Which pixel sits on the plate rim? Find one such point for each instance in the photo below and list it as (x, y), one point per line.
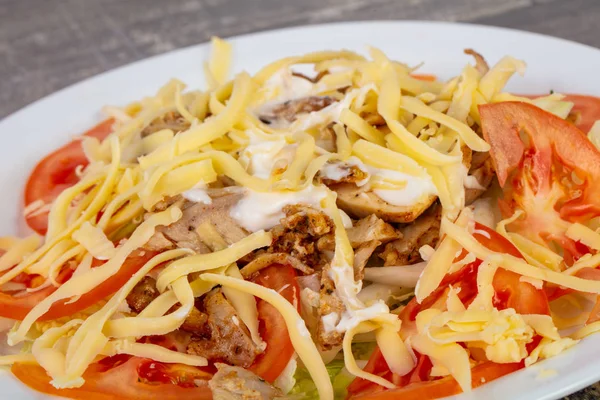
(257, 34)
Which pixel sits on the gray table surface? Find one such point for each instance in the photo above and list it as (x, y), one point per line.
(46, 45)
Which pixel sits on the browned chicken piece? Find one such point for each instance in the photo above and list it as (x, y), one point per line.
(196, 322)
(372, 228)
(235, 383)
(480, 63)
(425, 230)
(329, 303)
(291, 109)
(184, 234)
(225, 337)
(352, 174)
(171, 120)
(299, 233)
(482, 169)
(359, 203)
(264, 260)
(145, 292)
(362, 254)
(142, 294)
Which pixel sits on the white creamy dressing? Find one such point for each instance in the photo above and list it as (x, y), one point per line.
(355, 311)
(329, 321)
(263, 210)
(283, 86)
(415, 188)
(332, 112)
(198, 194)
(286, 381)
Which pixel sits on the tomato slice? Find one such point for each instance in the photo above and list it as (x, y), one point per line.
(588, 108)
(128, 378)
(279, 351)
(443, 387)
(18, 306)
(56, 172)
(510, 292)
(547, 168)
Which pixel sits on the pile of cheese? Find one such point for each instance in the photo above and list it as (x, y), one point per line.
(419, 152)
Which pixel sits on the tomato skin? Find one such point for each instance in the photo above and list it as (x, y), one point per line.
(56, 172)
(443, 387)
(536, 154)
(588, 108)
(119, 382)
(17, 308)
(273, 330)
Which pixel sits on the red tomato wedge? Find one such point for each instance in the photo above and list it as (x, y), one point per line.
(18, 306)
(279, 351)
(130, 379)
(586, 109)
(439, 388)
(56, 172)
(510, 292)
(547, 168)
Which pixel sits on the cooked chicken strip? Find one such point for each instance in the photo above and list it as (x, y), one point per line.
(183, 233)
(235, 383)
(224, 337)
(142, 294)
(360, 203)
(372, 228)
(291, 109)
(424, 230)
(299, 234)
(171, 120)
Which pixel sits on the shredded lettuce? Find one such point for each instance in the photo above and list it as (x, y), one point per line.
(306, 389)
(339, 376)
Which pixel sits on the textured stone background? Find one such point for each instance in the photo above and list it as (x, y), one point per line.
(46, 45)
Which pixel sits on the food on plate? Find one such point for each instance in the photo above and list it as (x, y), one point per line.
(333, 226)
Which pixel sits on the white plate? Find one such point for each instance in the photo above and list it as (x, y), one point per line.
(552, 64)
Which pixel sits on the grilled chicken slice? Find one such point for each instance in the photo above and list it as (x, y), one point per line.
(171, 120)
(362, 254)
(300, 233)
(359, 203)
(331, 307)
(235, 383)
(425, 230)
(184, 234)
(142, 294)
(288, 111)
(372, 228)
(224, 336)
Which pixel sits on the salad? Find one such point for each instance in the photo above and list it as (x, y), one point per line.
(333, 226)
